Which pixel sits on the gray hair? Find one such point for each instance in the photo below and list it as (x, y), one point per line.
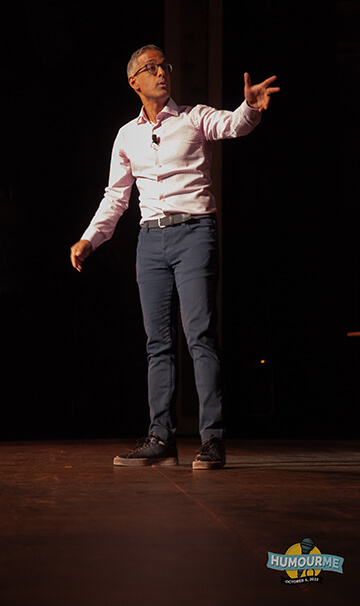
(131, 67)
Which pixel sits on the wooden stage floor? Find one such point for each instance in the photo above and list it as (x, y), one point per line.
(76, 531)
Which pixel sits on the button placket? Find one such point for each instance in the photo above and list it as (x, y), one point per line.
(158, 167)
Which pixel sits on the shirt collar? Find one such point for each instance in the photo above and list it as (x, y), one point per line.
(170, 108)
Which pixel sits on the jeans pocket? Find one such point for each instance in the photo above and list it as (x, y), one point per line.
(209, 224)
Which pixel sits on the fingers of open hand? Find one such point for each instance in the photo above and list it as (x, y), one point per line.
(269, 81)
(258, 95)
(247, 80)
(266, 93)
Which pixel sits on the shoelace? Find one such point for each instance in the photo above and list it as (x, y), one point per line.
(140, 444)
(209, 447)
(144, 442)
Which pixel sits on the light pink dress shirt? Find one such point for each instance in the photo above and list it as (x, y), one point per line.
(171, 174)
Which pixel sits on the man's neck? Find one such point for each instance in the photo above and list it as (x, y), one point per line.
(153, 108)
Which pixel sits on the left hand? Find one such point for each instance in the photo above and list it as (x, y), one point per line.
(79, 252)
(258, 95)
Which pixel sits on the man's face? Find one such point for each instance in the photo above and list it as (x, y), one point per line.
(149, 87)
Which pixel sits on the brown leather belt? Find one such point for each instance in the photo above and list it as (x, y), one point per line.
(170, 220)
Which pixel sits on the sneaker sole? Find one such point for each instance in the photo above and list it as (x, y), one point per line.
(146, 462)
(208, 465)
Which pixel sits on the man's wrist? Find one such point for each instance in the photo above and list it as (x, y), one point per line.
(251, 106)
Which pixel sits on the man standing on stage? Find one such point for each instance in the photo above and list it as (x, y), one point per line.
(166, 151)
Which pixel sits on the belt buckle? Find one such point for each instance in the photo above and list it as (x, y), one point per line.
(159, 222)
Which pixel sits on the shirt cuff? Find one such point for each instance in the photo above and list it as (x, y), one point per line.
(253, 109)
(94, 237)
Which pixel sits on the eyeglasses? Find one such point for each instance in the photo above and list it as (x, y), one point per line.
(153, 68)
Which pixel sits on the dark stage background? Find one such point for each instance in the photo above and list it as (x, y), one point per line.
(73, 346)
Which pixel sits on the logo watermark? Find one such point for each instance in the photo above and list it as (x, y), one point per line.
(303, 562)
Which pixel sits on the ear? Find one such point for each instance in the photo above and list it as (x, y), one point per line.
(134, 84)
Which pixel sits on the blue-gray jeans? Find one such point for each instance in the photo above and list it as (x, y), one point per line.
(182, 258)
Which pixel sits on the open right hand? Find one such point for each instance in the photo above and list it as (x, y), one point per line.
(258, 95)
(79, 252)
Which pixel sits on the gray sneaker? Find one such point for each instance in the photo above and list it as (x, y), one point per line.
(148, 451)
(211, 454)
